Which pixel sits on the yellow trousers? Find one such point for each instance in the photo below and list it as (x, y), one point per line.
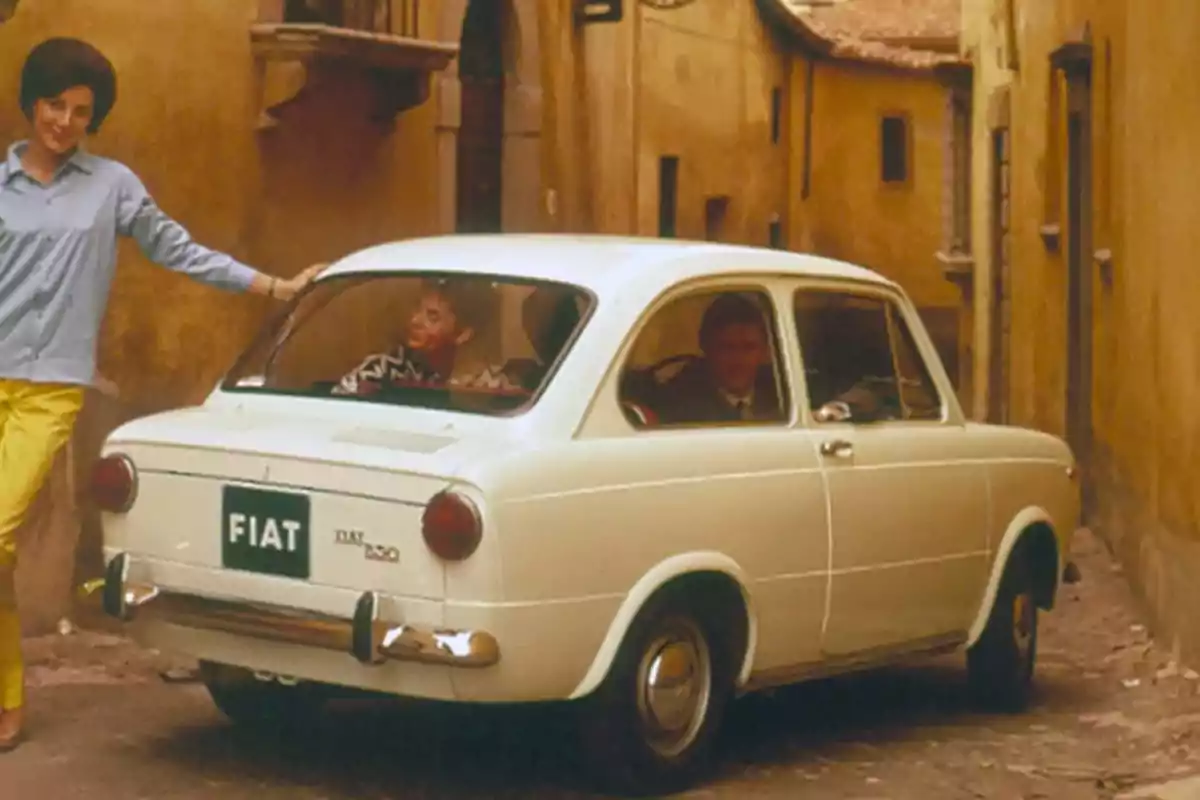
(35, 422)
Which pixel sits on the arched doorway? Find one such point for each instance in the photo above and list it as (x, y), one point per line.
(481, 129)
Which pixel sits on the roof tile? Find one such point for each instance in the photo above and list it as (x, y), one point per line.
(893, 31)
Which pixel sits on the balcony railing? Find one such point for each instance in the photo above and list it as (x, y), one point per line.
(396, 17)
(381, 41)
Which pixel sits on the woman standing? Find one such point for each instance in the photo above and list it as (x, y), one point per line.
(61, 210)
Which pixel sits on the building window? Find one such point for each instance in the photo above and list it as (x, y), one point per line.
(809, 87)
(716, 209)
(893, 136)
(775, 234)
(776, 114)
(668, 195)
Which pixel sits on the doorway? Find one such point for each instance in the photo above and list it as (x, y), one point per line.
(480, 147)
(1079, 278)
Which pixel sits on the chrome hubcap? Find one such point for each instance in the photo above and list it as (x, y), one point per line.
(674, 688)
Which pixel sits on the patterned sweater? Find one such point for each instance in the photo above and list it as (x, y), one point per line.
(404, 367)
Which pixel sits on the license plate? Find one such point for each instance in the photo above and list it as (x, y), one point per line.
(265, 532)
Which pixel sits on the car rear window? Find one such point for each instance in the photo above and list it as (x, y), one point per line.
(481, 344)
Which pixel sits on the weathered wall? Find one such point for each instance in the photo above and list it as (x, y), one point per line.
(323, 182)
(706, 74)
(849, 212)
(1145, 385)
(695, 83)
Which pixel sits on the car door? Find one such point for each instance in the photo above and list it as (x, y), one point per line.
(907, 505)
(749, 487)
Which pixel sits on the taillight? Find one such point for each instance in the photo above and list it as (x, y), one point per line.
(451, 526)
(114, 483)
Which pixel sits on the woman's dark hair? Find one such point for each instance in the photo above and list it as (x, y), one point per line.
(59, 64)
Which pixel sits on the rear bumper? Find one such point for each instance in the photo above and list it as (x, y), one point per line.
(370, 640)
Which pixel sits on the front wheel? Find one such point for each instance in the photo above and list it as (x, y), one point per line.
(262, 705)
(650, 727)
(1000, 665)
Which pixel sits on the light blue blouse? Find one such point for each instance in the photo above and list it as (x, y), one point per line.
(58, 253)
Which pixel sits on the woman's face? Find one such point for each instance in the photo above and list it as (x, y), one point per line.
(60, 123)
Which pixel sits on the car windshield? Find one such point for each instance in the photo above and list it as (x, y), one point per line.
(476, 343)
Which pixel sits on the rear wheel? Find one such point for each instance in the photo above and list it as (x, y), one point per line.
(650, 727)
(259, 704)
(1001, 664)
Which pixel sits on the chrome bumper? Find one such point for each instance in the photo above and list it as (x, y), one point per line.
(363, 635)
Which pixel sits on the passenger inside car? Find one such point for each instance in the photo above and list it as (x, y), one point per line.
(448, 315)
(734, 380)
(549, 316)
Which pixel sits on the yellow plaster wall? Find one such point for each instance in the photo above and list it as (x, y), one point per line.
(1145, 386)
(706, 73)
(850, 213)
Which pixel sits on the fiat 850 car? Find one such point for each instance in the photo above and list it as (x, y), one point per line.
(644, 477)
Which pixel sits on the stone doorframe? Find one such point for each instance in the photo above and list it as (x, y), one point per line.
(521, 162)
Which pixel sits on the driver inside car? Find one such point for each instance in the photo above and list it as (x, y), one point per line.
(448, 316)
(734, 380)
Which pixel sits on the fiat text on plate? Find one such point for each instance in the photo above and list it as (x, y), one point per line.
(643, 477)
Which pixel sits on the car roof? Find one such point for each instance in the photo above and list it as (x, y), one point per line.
(599, 263)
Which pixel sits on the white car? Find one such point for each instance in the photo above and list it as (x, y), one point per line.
(644, 475)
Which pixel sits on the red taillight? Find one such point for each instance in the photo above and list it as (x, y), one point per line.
(451, 526)
(114, 483)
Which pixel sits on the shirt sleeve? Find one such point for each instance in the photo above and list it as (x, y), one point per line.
(164, 241)
(372, 368)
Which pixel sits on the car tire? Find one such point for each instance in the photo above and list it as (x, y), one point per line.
(640, 739)
(261, 705)
(1000, 665)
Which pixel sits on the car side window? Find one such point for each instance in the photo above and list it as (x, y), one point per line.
(918, 393)
(708, 358)
(861, 361)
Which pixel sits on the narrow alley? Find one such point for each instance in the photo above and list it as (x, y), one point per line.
(1113, 719)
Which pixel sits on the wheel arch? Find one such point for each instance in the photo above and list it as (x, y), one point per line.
(1032, 528)
(677, 573)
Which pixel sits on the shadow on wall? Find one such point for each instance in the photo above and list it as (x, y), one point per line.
(325, 154)
(7, 9)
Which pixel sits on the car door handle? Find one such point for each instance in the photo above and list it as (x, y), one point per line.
(837, 448)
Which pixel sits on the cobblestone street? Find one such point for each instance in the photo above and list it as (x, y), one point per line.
(1114, 716)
